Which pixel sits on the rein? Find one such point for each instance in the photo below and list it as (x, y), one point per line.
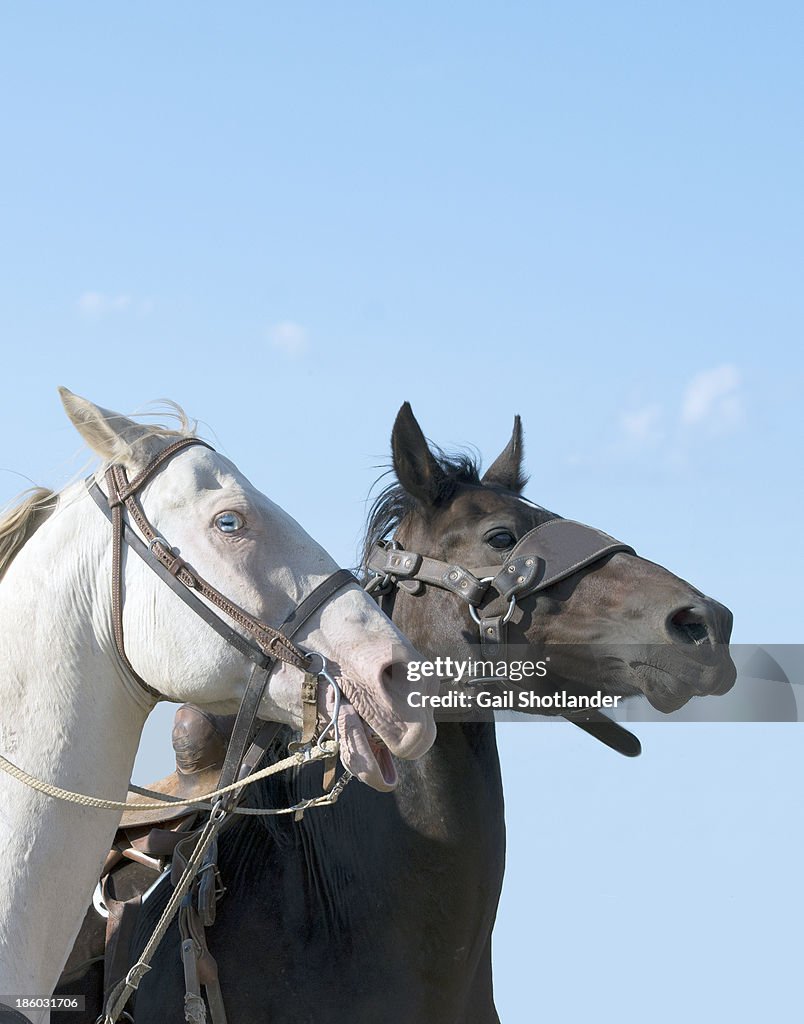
(545, 555)
(263, 645)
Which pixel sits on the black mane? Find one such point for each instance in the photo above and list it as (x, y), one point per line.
(393, 502)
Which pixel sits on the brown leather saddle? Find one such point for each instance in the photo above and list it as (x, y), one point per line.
(199, 743)
(149, 839)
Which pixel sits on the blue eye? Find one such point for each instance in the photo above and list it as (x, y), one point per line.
(228, 522)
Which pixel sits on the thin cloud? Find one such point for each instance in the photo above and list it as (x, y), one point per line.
(713, 398)
(642, 426)
(710, 404)
(290, 338)
(95, 305)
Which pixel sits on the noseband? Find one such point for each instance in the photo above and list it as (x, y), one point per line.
(262, 644)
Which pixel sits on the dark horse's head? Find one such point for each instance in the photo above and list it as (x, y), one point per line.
(623, 624)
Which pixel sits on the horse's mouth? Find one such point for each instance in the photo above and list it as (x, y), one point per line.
(363, 752)
(667, 693)
(660, 687)
(383, 757)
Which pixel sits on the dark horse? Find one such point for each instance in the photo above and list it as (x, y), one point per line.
(382, 908)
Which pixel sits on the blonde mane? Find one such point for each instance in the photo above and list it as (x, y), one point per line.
(185, 427)
(31, 508)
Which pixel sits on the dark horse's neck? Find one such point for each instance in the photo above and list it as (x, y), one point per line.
(386, 901)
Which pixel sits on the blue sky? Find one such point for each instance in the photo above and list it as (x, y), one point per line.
(291, 218)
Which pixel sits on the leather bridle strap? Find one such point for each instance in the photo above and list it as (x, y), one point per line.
(121, 491)
(543, 556)
(264, 644)
(229, 634)
(237, 757)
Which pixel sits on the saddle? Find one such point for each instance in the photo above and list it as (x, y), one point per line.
(199, 742)
(150, 839)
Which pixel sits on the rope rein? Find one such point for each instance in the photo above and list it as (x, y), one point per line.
(126, 987)
(327, 748)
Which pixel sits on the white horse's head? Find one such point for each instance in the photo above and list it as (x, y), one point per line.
(256, 555)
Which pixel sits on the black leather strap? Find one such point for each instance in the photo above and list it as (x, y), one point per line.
(241, 733)
(322, 593)
(609, 732)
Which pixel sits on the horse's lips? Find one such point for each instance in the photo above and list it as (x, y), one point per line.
(363, 754)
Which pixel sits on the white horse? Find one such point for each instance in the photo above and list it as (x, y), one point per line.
(71, 711)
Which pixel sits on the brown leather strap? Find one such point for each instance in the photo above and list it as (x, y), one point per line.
(609, 732)
(116, 512)
(159, 460)
(402, 565)
(215, 1000)
(200, 968)
(230, 635)
(542, 557)
(550, 553)
(119, 929)
(266, 734)
(493, 637)
(207, 886)
(194, 1010)
(269, 638)
(249, 706)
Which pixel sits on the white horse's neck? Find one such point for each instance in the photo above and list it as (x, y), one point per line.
(69, 717)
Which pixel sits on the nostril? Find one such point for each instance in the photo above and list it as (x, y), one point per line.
(689, 625)
(394, 676)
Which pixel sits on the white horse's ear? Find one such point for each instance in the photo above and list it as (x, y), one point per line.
(111, 435)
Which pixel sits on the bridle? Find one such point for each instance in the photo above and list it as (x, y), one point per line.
(264, 645)
(544, 556)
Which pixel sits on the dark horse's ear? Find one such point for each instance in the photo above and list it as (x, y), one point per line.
(506, 470)
(414, 464)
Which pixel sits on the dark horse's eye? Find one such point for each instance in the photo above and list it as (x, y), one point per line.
(501, 539)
